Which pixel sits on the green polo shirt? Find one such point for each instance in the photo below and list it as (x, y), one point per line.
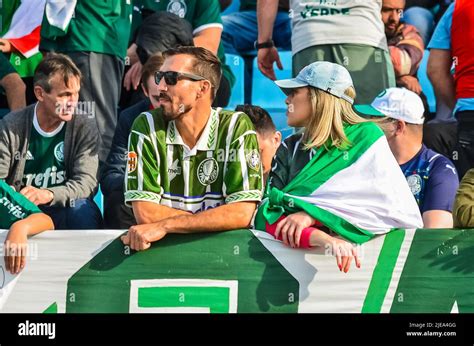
(101, 26)
(202, 14)
(224, 166)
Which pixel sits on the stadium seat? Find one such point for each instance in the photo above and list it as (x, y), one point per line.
(425, 82)
(266, 94)
(99, 200)
(237, 65)
(233, 7)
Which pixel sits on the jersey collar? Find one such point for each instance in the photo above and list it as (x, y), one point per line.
(206, 142)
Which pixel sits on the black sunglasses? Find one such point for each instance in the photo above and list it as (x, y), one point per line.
(172, 77)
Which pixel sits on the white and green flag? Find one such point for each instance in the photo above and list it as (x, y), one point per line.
(21, 26)
(357, 192)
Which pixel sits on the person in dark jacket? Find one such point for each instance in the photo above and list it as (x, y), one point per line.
(116, 214)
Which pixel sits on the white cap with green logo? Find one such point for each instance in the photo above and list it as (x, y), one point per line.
(323, 75)
(396, 103)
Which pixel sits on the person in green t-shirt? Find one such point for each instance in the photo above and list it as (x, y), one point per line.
(95, 35)
(191, 168)
(24, 219)
(48, 150)
(11, 85)
(205, 18)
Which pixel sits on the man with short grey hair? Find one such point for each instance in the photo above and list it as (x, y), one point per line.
(48, 152)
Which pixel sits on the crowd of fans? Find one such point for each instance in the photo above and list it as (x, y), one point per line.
(131, 96)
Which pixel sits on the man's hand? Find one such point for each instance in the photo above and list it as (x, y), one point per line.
(410, 82)
(37, 196)
(140, 237)
(133, 76)
(292, 226)
(16, 250)
(132, 54)
(266, 57)
(5, 46)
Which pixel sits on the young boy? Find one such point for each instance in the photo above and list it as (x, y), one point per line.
(24, 219)
(269, 139)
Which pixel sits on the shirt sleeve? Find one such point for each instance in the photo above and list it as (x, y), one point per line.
(441, 38)
(243, 181)
(14, 206)
(441, 186)
(207, 15)
(142, 176)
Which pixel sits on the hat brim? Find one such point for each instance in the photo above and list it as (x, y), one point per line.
(369, 111)
(287, 84)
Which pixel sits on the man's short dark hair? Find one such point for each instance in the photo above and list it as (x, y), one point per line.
(260, 118)
(52, 64)
(206, 64)
(151, 66)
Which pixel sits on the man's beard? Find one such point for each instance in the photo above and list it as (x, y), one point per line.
(391, 33)
(170, 114)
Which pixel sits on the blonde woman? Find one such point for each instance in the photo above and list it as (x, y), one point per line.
(337, 173)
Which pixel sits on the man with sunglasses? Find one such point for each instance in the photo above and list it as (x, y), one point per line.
(432, 178)
(191, 168)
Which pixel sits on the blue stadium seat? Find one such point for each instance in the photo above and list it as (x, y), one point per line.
(99, 200)
(237, 65)
(425, 82)
(233, 7)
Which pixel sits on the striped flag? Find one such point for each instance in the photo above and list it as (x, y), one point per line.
(23, 30)
(357, 192)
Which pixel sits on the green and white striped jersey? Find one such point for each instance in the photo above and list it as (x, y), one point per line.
(224, 166)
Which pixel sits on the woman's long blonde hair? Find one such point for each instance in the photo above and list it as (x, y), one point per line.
(329, 113)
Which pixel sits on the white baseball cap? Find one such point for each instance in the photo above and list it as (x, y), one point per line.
(396, 103)
(326, 76)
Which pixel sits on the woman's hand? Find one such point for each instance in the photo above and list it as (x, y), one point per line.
(341, 249)
(292, 226)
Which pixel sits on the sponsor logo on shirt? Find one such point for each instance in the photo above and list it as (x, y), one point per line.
(174, 170)
(132, 161)
(12, 209)
(207, 171)
(177, 7)
(29, 155)
(51, 176)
